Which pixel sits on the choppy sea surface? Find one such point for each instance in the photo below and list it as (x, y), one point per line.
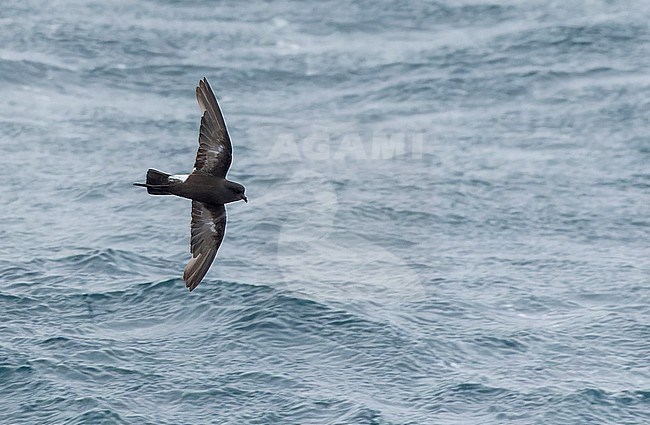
(449, 215)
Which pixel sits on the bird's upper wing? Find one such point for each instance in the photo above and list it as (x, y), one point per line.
(208, 228)
(215, 150)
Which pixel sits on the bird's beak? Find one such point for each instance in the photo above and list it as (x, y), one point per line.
(245, 199)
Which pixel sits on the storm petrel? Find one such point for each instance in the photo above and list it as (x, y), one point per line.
(206, 186)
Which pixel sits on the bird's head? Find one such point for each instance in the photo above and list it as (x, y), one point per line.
(238, 192)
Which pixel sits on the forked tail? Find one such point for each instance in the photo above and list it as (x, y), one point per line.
(157, 182)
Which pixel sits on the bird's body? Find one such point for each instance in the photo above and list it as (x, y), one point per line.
(206, 186)
(203, 188)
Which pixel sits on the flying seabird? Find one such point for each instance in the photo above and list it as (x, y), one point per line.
(206, 186)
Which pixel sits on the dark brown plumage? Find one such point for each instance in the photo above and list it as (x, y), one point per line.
(206, 186)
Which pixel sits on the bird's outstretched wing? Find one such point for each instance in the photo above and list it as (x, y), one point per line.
(208, 229)
(215, 150)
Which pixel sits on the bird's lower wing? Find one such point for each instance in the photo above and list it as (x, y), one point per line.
(208, 229)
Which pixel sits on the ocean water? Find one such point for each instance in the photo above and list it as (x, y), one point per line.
(448, 218)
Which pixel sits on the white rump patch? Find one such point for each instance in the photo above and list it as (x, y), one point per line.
(179, 177)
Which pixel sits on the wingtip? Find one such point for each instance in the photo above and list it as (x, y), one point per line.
(206, 86)
(190, 279)
(202, 90)
(190, 285)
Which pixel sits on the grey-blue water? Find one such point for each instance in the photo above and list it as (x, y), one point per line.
(448, 218)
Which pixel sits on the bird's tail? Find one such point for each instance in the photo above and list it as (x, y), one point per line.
(157, 182)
